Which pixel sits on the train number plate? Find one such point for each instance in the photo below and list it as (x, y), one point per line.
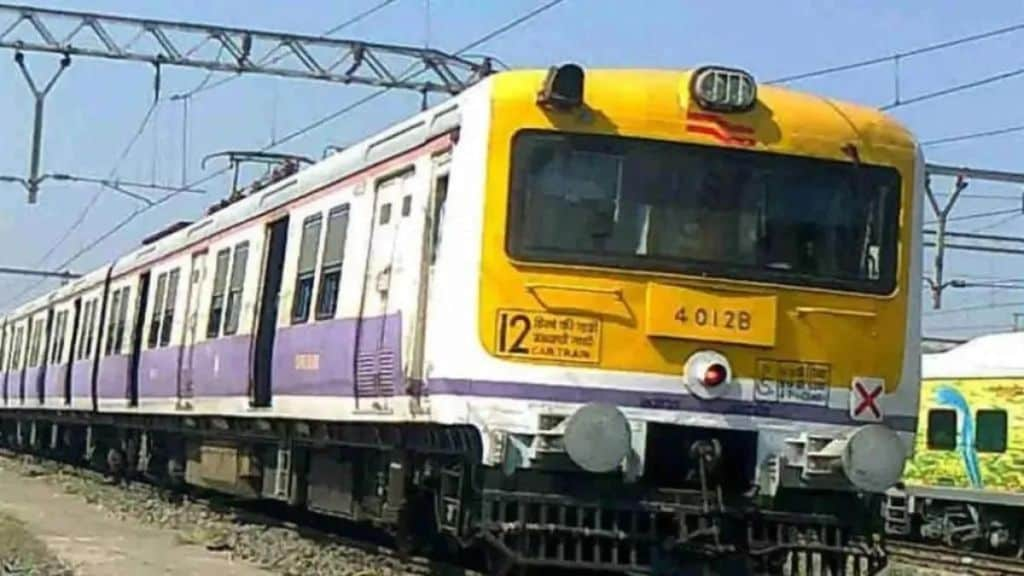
(675, 312)
(548, 337)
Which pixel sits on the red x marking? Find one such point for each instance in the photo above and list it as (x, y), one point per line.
(867, 400)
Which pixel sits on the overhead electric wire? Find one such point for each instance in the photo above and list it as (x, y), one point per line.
(954, 89)
(973, 135)
(203, 86)
(978, 215)
(360, 17)
(100, 190)
(291, 136)
(974, 308)
(900, 55)
(474, 44)
(998, 223)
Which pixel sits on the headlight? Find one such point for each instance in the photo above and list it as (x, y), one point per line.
(723, 89)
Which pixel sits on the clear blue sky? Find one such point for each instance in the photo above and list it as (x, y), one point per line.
(97, 105)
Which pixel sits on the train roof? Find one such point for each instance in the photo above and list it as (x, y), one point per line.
(665, 95)
(989, 356)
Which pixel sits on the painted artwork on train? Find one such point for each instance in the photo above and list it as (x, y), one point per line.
(969, 435)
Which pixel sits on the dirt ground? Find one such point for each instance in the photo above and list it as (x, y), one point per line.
(38, 522)
(21, 552)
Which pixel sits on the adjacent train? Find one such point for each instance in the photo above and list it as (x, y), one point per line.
(964, 487)
(612, 319)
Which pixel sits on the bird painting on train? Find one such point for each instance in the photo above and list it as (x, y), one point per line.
(951, 397)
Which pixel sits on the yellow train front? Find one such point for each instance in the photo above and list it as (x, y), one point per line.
(696, 317)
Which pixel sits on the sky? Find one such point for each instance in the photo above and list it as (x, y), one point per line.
(97, 105)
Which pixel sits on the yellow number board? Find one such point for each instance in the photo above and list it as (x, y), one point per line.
(550, 337)
(675, 312)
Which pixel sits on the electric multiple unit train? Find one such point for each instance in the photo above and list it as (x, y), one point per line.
(613, 319)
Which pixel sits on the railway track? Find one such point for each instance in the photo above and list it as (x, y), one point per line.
(959, 561)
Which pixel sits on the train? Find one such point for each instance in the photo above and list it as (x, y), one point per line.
(963, 487)
(612, 319)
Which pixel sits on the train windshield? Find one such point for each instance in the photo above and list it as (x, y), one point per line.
(662, 206)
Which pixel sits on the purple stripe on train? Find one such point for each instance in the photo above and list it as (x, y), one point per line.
(216, 368)
(55, 378)
(30, 386)
(158, 373)
(317, 359)
(81, 379)
(112, 381)
(314, 359)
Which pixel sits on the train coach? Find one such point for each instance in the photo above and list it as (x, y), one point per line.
(613, 319)
(964, 487)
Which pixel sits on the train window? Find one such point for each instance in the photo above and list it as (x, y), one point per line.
(62, 342)
(80, 353)
(83, 314)
(33, 353)
(90, 326)
(19, 336)
(307, 268)
(440, 197)
(115, 304)
(122, 319)
(43, 335)
(172, 296)
(334, 255)
(60, 330)
(5, 354)
(234, 305)
(158, 306)
(406, 205)
(32, 339)
(691, 209)
(991, 434)
(51, 353)
(39, 354)
(941, 429)
(385, 213)
(220, 281)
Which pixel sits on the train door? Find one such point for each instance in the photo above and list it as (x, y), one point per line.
(138, 330)
(76, 318)
(44, 356)
(434, 217)
(186, 386)
(25, 358)
(378, 330)
(266, 326)
(17, 358)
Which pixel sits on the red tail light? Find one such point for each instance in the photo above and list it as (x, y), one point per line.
(714, 375)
